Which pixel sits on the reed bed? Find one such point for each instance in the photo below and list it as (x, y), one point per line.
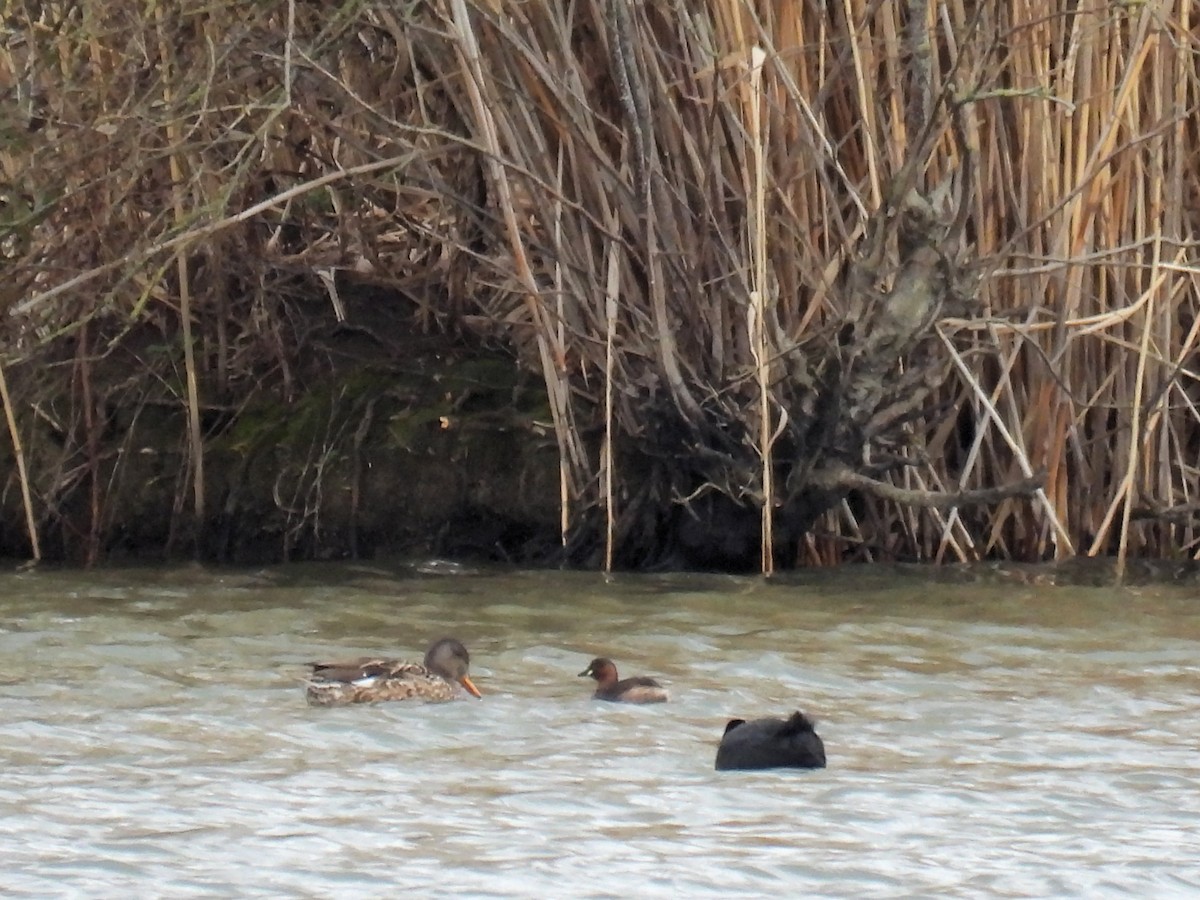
(899, 280)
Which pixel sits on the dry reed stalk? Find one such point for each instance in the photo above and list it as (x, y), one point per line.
(22, 473)
(560, 340)
(1060, 479)
(1126, 489)
(608, 463)
(174, 143)
(91, 442)
(756, 239)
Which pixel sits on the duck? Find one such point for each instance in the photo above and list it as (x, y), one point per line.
(639, 689)
(370, 679)
(771, 744)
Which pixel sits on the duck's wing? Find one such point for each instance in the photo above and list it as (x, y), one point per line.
(366, 667)
(640, 681)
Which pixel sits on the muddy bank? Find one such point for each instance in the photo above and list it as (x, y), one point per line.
(368, 436)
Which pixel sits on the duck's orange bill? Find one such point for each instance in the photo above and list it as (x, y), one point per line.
(469, 685)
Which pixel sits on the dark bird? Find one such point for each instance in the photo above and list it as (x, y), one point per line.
(628, 690)
(771, 744)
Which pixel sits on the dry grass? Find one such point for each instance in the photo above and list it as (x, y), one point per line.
(585, 179)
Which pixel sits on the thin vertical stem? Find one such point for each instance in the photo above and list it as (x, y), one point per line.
(757, 240)
(26, 495)
(195, 438)
(564, 474)
(611, 292)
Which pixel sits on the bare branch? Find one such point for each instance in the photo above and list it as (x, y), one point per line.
(837, 476)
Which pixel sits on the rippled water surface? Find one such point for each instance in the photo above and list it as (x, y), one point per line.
(987, 740)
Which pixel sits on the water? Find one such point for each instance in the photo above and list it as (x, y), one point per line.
(984, 740)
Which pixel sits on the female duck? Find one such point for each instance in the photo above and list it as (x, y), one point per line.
(771, 744)
(628, 690)
(368, 680)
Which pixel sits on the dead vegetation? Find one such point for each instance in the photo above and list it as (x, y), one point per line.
(868, 280)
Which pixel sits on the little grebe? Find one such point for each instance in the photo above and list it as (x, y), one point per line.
(628, 690)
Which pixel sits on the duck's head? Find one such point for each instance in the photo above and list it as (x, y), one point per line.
(603, 669)
(450, 659)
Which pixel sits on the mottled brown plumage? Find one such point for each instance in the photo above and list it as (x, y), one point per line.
(369, 680)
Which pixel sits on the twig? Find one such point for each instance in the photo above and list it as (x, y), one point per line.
(837, 476)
